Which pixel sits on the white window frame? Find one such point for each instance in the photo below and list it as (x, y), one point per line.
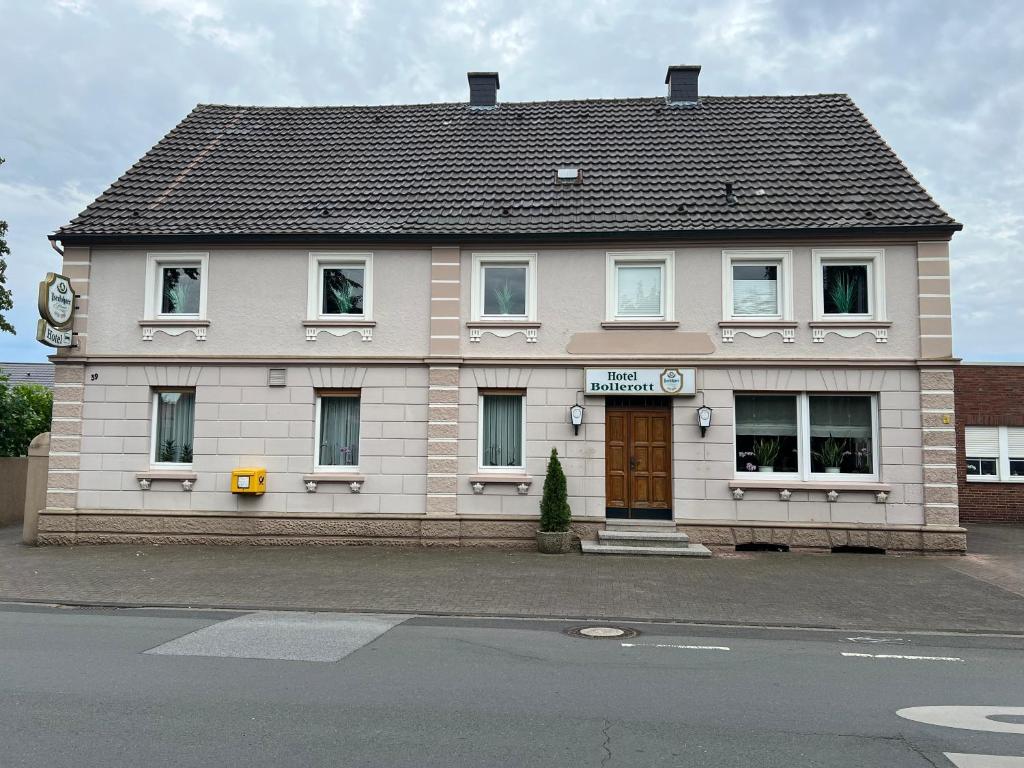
(664, 259)
(484, 260)
(155, 262)
(782, 259)
(320, 260)
(154, 416)
(873, 258)
(803, 438)
(487, 470)
(1002, 460)
(335, 468)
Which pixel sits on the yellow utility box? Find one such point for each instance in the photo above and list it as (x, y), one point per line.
(249, 480)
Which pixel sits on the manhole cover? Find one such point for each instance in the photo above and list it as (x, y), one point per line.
(600, 633)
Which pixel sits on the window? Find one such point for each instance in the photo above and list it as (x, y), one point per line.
(173, 424)
(337, 429)
(640, 286)
(504, 287)
(849, 285)
(176, 286)
(995, 454)
(807, 436)
(756, 285)
(340, 286)
(502, 425)
(766, 433)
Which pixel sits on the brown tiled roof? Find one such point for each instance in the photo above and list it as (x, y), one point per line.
(795, 162)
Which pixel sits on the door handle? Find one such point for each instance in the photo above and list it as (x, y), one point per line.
(632, 462)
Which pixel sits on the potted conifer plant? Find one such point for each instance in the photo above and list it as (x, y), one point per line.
(554, 537)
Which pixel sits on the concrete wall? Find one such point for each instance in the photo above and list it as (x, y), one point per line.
(571, 299)
(13, 477)
(256, 305)
(702, 466)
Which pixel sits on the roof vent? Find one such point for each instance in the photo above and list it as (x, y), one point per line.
(569, 175)
(681, 80)
(483, 89)
(730, 194)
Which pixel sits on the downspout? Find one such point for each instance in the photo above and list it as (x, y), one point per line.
(57, 248)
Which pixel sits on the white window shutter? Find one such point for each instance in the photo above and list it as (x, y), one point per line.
(1015, 441)
(982, 442)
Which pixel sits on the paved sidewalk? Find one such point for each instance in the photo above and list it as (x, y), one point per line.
(984, 591)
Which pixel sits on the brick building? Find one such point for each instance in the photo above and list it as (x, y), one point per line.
(990, 442)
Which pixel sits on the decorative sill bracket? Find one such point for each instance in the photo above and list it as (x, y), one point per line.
(353, 480)
(174, 328)
(502, 330)
(521, 482)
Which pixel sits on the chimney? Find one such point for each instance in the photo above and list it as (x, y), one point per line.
(483, 89)
(682, 83)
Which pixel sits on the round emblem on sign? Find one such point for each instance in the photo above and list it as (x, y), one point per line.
(671, 381)
(56, 300)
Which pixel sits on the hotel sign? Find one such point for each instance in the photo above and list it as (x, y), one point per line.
(56, 310)
(641, 381)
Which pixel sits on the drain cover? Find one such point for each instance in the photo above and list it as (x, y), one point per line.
(600, 633)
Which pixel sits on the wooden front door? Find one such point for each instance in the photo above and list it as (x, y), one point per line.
(638, 462)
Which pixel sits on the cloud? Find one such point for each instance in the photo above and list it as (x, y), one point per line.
(944, 85)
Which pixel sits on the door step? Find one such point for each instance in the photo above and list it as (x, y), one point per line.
(635, 538)
(598, 548)
(640, 525)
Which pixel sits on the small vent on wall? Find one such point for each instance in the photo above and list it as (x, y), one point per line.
(277, 377)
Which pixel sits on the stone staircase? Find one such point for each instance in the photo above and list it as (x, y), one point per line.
(643, 537)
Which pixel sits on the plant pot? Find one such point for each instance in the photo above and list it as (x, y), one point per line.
(831, 470)
(766, 469)
(554, 542)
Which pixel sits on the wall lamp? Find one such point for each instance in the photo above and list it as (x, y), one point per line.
(576, 417)
(703, 419)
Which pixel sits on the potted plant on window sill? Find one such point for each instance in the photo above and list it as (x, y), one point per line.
(766, 451)
(554, 537)
(831, 454)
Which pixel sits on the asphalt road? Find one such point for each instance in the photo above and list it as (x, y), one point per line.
(91, 687)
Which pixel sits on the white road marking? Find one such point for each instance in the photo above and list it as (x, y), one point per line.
(970, 718)
(283, 635)
(903, 657)
(876, 639)
(984, 761)
(684, 647)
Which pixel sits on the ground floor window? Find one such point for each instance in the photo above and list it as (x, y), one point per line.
(995, 453)
(804, 435)
(337, 416)
(173, 424)
(502, 417)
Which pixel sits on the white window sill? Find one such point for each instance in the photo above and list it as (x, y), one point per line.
(850, 328)
(352, 478)
(832, 490)
(183, 475)
(503, 329)
(994, 479)
(341, 322)
(640, 324)
(758, 328)
(339, 327)
(518, 478)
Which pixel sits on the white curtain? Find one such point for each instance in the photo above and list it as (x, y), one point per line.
(339, 431)
(755, 290)
(639, 291)
(502, 431)
(772, 415)
(175, 420)
(841, 416)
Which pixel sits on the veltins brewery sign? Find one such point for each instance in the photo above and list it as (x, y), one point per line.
(56, 311)
(641, 381)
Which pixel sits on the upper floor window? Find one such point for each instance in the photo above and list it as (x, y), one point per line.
(176, 286)
(849, 284)
(807, 436)
(505, 286)
(995, 453)
(173, 426)
(640, 286)
(756, 285)
(340, 286)
(337, 429)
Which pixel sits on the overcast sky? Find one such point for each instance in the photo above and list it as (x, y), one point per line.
(87, 86)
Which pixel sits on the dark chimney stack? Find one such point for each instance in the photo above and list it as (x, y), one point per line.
(682, 83)
(483, 89)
